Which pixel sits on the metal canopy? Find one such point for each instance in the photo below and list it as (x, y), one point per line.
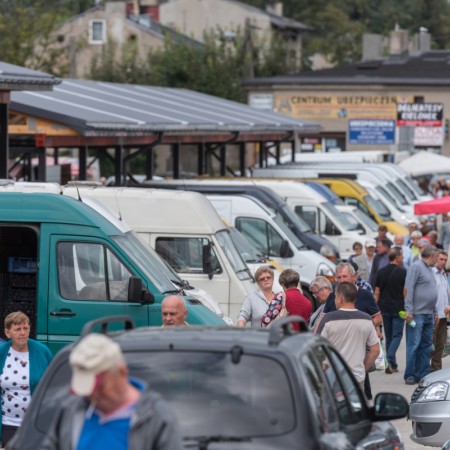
(110, 109)
(16, 78)
(129, 117)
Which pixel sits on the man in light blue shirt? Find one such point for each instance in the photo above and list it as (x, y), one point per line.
(420, 306)
(399, 241)
(443, 310)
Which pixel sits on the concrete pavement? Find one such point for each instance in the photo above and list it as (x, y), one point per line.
(382, 382)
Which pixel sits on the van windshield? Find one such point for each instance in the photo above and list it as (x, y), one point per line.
(249, 253)
(408, 190)
(387, 196)
(233, 256)
(417, 189)
(291, 219)
(336, 215)
(168, 270)
(289, 234)
(147, 261)
(366, 220)
(379, 208)
(401, 199)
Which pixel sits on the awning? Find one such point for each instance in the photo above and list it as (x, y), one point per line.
(435, 206)
(423, 163)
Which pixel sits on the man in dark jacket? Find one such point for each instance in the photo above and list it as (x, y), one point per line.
(109, 410)
(390, 296)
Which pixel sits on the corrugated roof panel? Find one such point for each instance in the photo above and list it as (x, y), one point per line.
(89, 106)
(14, 77)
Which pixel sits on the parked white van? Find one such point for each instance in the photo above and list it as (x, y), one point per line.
(185, 231)
(271, 236)
(360, 220)
(321, 215)
(399, 213)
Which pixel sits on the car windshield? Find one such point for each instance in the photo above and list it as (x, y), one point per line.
(339, 217)
(249, 253)
(366, 220)
(147, 261)
(213, 395)
(210, 393)
(233, 255)
(379, 208)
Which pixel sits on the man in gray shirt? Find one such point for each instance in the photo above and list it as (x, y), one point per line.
(420, 307)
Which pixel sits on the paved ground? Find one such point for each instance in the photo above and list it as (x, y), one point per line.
(382, 382)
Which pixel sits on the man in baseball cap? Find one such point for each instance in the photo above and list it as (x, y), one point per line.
(111, 409)
(364, 261)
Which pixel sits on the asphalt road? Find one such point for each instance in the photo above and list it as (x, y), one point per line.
(382, 382)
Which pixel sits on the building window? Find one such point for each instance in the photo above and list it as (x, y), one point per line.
(97, 31)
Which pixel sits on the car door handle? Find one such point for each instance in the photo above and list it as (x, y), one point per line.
(63, 313)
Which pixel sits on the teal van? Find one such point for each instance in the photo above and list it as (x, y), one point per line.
(65, 262)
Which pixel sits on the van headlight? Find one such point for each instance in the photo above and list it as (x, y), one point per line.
(326, 271)
(327, 251)
(435, 392)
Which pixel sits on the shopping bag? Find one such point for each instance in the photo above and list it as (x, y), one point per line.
(381, 362)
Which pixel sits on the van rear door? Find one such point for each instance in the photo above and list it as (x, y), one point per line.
(87, 280)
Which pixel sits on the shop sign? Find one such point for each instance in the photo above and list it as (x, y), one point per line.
(371, 132)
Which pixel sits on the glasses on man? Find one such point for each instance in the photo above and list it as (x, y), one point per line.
(315, 294)
(264, 278)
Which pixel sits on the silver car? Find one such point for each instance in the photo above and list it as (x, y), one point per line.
(430, 409)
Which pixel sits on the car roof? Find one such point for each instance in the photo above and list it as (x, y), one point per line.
(275, 339)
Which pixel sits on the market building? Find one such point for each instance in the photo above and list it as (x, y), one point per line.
(398, 102)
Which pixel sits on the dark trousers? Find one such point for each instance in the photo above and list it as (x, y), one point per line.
(439, 341)
(8, 433)
(367, 387)
(393, 330)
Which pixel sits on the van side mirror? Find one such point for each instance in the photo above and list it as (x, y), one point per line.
(136, 292)
(285, 250)
(206, 258)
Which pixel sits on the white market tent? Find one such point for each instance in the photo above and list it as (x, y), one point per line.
(424, 162)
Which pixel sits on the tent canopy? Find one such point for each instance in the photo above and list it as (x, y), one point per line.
(424, 162)
(435, 206)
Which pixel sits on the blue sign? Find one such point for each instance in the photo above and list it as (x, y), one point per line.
(371, 132)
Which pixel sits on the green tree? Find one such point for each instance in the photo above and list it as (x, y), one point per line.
(216, 67)
(23, 23)
(338, 25)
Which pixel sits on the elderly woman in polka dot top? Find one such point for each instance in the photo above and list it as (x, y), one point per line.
(22, 363)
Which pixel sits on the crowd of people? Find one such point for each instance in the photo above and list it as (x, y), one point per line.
(386, 290)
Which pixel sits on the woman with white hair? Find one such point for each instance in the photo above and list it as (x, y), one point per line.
(414, 246)
(257, 303)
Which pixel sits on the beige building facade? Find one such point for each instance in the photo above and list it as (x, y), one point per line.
(365, 93)
(86, 36)
(195, 17)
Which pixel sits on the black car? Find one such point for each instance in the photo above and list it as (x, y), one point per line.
(237, 388)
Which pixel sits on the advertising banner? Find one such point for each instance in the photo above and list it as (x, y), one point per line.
(419, 114)
(371, 132)
(338, 107)
(428, 136)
